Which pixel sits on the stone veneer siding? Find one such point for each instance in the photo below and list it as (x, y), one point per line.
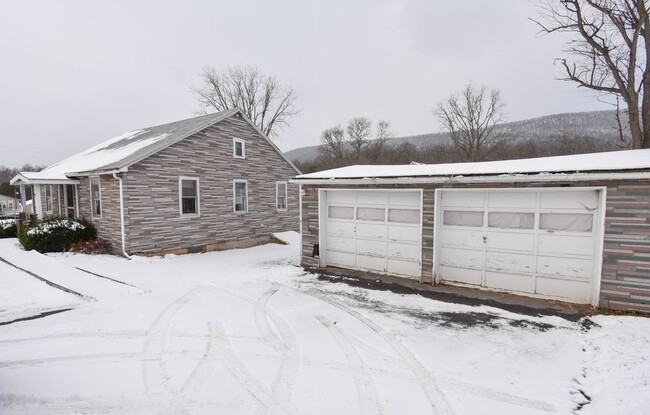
(152, 192)
(108, 225)
(625, 278)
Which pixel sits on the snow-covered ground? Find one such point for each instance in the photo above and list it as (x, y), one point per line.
(247, 331)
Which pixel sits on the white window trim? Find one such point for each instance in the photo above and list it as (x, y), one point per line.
(92, 205)
(234, 197)
(286, 200)
(243, 148)
(180, 196)
(51, 207)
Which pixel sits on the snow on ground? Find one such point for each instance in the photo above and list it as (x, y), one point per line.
(247, 331)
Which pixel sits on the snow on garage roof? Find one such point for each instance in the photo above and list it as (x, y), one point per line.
(579, 163)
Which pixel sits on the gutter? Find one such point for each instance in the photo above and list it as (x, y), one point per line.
(119, 178)
(505, 178)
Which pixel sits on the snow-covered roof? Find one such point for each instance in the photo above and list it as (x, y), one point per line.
(579, 163)
(126, 149)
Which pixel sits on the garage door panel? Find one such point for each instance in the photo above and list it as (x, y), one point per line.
(509, 262)
(361, 233)
(510, 282)
(344, 197)
(512, 200)
(565, 244)
(404, 251)
(371, 230)
(372, 198)
(463, 199)
(575, 291)
(371, 263)
(465, 276)
(534, 241)
(374, 248)
(462, 238)
(404, 199)
(395, 266)
(567, 267)
(582, 200)
(404, 234)
(514, 241)
(340, 228)
(341, 259)
(339, 243)
(463, 258)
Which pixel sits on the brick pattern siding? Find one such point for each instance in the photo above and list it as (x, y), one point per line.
(625, 283)
(625, 279)
(152, 191)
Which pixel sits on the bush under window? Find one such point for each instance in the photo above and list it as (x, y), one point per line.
(56, 234)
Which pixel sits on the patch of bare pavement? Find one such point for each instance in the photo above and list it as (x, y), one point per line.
(533, 307)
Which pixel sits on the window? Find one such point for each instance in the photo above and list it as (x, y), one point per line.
(570, 222)
(189, 191)
(238, 148)
(404, 215)
(48, 198)
(95, 197)
(281, 195)
(340, 212)
(240, 191)
(462, 218)
(511, 220)
(374, 214)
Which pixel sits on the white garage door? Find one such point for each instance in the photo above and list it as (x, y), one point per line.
(540, 242)
(377, 231)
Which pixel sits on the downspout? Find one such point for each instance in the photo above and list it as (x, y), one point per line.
(122, 216)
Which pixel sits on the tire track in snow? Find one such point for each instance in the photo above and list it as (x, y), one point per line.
(366, 390)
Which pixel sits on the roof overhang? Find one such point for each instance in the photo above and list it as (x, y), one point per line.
(496, 179)
(22, 179)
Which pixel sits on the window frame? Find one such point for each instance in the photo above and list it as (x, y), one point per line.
(234, 148)
(180, 196)
(234, 197)
(92, 200)
(277, 194)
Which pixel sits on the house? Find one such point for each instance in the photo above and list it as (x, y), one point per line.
(205, 183)
(572, 228)
(7, 204)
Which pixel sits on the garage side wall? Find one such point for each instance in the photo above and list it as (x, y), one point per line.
(625, 283)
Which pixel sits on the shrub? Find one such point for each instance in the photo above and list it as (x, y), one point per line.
(93, 246)
(8, 229)
(56, 234)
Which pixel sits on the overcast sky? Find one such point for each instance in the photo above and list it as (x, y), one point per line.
(75, 73)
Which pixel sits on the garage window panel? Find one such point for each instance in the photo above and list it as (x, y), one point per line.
(372, 214)
(340, 212)
(404, 215)
(462, 218)
(570, 222)
(511, 220)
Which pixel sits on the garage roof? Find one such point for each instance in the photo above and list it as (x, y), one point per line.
(616, 161)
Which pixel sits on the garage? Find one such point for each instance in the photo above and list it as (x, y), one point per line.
(536, 241)
(376, 231)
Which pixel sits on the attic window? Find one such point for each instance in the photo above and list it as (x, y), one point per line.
(238, 148)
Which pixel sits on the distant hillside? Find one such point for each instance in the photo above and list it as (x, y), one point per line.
(597, 125)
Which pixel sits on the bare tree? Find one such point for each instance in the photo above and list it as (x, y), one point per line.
(469, 118)
(609, 49)
(334, 146)
(261, 97)
(354, 144)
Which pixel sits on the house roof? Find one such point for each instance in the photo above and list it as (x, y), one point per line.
(124, 150)
(574, 164)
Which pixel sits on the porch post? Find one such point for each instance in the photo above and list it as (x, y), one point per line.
(23, 201)
(36, 201)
